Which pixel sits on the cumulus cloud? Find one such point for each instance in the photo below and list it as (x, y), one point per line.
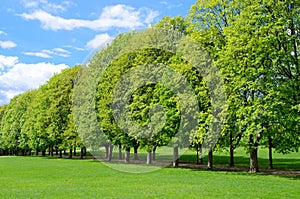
(118, 16)
(19, 77)
(7, 62)
(2, 32)
(98, 41)
(7, 44)
(48, 53)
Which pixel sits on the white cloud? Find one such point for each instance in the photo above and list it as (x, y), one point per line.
(74, 47)
(98, 41)
(7, 61)
(2, 32)
(21, 77)
(48, 53)
(7, 44)
(37, 54)
(118, 16)
(47, 6)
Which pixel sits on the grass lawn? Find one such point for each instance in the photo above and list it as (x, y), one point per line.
(37, 177)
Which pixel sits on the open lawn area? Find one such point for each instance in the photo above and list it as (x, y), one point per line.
(38, 177)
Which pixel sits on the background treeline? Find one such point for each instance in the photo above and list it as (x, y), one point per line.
(253, 43)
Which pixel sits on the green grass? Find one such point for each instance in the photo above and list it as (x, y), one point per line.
(280, 162)
(36, 177)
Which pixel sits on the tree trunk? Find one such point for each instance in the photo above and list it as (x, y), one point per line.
(60, 153)
(231, 149)
(44, 153)
(120, 152)
(56, 151)
(81, 153)
(51, 151)
(106, 151)
(270, 152)
(154, 153)
(135, 149)
(210, 158)
(149, 157)
(175, 157)
(110, 152)
(65, 152)
(70, 153)
(74, 151)
(84, 151)
(231, 156)
(127, 155)
(253, 160)
(36, 152)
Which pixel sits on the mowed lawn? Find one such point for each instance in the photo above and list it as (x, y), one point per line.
(37, 177)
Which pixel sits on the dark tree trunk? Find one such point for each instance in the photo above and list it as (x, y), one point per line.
(120, 152)
(253, 160)
(270, 152)
(81, 153)
(210, 158)
(56, 151)
(127, 155)
(44, 153)
(84, 151)
(70, 153)
(29, 152)
(231, 149)
(231, 156)
(36, 152)
(65, 152)
(175, 157)
(60, 153)
(51, 151)
(149, 157)
(74, 151)
(135, 149)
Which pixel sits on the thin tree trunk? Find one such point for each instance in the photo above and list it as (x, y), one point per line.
(84, 151)
(70, 153)
(60, 153)
(74, 151)
(149, 157)
(44, 153)
(56, 151)
(135, 149)
(231, 156)
(81, 153)
(270, 152)
(36, 152)
(120, 152)
(65, 152)
(231, 149)
(210, 158)
(127, 155)
(175, 157)
(51, 151)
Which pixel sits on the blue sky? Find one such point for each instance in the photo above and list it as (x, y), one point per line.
(41, 37)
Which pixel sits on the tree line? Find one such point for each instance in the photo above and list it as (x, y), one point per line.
(254, 44)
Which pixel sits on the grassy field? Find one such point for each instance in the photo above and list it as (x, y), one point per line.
(37, 177)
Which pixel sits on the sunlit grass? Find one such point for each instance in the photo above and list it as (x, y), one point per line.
(36, 177)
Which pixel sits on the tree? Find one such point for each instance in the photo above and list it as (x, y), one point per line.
(13, 138)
